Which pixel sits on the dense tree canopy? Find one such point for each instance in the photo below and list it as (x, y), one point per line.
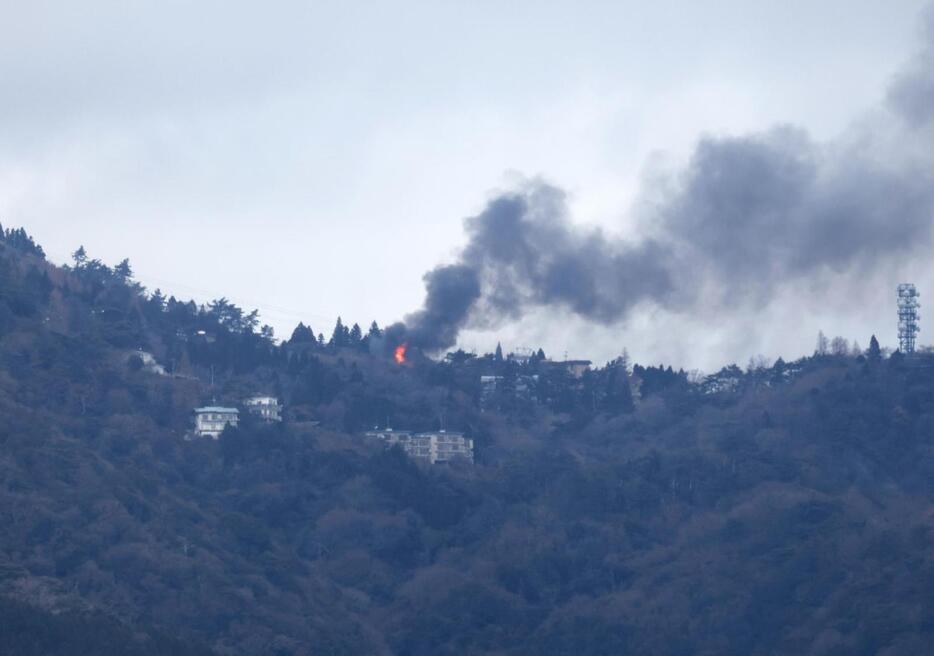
(782, 509)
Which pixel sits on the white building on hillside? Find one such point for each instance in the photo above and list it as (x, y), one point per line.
(210, 421)
(443, 446)
(576, 368)
(434, 446)
(265, 407)
(390, 436)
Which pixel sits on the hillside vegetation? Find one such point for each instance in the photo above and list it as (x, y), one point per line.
(781, 510)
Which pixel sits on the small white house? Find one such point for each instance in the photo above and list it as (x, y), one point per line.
(210, 421)
(265, 407)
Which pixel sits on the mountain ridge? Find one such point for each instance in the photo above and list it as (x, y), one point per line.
(784, 509)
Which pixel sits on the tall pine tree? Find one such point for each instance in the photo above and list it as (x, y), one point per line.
(874, 353)
(340, 336)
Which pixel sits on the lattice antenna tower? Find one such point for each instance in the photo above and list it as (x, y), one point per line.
(908, 317)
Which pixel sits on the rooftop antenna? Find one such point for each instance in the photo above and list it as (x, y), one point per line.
(908, 317)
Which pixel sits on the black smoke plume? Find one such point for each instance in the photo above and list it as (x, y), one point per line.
(747, 217)
(451, 292)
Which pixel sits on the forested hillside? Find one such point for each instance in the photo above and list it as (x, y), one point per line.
(783, 509)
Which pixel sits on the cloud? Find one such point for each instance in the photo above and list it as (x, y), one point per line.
(747, 218)
(912, 93)
(757, 212)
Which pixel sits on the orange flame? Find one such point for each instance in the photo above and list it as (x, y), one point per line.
(400, 353)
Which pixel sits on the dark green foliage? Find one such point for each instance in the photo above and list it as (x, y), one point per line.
(781, 510)
(658, 379)
(439, 504)
(302, 335)
(123, 271)
(340, 336)
(28, 631)
(20, 241)
(231, 317)
(355, 335)
(875, 353)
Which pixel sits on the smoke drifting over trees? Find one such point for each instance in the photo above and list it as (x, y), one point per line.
(451, 292)
(912, 92)
(746, 217)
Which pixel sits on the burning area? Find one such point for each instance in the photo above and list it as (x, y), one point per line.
(400, 353)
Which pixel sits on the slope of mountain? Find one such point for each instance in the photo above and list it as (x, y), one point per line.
(785, 510)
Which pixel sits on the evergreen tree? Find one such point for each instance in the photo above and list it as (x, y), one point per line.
(355, 336)
(225, 313)
(302, 335)
(19, 240)
(250, 321)
(340, 336)
(123, 271)
(498, 356)
(157, 300)
(374, 332)
(874, 353)
(80, 257)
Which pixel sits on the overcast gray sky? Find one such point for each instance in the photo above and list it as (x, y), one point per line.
(315, 159)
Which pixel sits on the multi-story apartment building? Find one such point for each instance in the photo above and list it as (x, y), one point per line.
(433, 446)
(265, 407)
(210, 421)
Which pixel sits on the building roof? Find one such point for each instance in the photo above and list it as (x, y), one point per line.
(439, 433)
(217, 408)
